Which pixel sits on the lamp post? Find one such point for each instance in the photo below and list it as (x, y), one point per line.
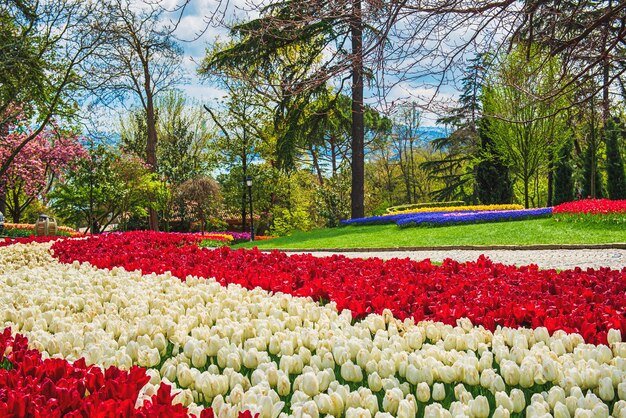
(249, 183)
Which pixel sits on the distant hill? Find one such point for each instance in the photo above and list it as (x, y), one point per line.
(428, 133)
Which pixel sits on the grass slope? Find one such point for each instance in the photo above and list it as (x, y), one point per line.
(539, 231)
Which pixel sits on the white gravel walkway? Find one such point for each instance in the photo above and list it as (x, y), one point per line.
(547, 259)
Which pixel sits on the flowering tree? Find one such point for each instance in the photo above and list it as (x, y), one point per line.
(34, 169)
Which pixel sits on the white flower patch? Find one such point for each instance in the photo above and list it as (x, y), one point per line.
(277, 355)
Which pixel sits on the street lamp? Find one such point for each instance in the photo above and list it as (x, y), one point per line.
(249, 184)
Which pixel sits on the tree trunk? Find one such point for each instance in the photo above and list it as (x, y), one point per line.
(151, 143)
(333, 155)
(17, 213)
(357, 193)
(526, 202)
(316, 165)
(244, 169)
(606, 66)
(550, 178)
(3, 200)
(592, 152)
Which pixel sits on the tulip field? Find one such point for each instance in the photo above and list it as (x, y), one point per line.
(147, 324)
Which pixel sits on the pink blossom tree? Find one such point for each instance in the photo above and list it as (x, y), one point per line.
(37, 165)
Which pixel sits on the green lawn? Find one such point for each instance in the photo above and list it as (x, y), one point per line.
(539, 231)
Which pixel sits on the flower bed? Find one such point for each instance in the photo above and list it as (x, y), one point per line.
(456, 215)
(592, 210)
(28, 240)
(31, 386)
(472, 217)
(280, 355)
(456, 208)
(489, 294)
(592, 206)
(26, 230)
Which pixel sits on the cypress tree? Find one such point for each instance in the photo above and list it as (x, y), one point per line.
(589, 161)
(616, 181)
(493, 181)
(563, 180)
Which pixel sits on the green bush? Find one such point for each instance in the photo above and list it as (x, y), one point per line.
(286, 222)
(212, 243)
(18, 232)
(425, 205)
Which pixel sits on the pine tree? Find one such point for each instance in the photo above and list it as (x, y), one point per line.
(563, 180)
(616, 181)
(493, 182)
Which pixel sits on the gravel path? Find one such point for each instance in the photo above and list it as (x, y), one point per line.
(548, 259)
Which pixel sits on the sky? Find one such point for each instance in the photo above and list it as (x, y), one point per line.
(195, 35)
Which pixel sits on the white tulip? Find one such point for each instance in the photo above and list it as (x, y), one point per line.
(283, 386)
(439, 392)
(423, 392)
(501, 412)
(370, 402)
(583, 413)
(310, 408)
(406, 409)
(519, 401)
(606, 390)
(310, 384)
(561, 411)
(375, 383)
(614, 336)
(391, 401)
(337, 404)
(198, 357)
(358, 413)
(184, 376)
(503, 400)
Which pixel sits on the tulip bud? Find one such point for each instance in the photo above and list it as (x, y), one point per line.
(439, 392)
(406, 409)
(572, 403)
(283, 386)
(614, 336)
(501, 412)
(503, 400)
(267, 407)
(583, 413)
(606, 391)
(391, 401)
(337, 404)
(375, 382)
(310, 384)
(433, 411)
(619, 409)
(358, 413)
(350, 372)
(555, 394)
(188, 348)
(519, 401)
(479, 407)
(371, 403)
(148, 357)
(621, 391)
(272, 376)
(198, 358)
(423, 392)
(411, 374)
(561, 411)
(310, 408)
(414, 339)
